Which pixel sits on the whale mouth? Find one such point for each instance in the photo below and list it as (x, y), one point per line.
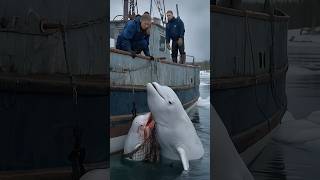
(149, 126)
(148, 148)
(150, 120)
(155, 87)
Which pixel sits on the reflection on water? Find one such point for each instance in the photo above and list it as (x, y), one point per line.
(199, 169)
(293, 152)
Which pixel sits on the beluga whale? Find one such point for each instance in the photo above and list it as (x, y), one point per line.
(175, 132)
(140, 143)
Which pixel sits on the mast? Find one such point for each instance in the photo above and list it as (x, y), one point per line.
(150, 7)
(125, 9)
(128, 9)
(177, 10)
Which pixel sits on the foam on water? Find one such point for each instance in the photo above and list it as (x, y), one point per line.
(112, 43)
(96, 174)
(204, 74)
(293, 131)
(204, 84)
(204, 102)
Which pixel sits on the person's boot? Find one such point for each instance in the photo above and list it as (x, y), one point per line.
(182, 59)
(174, 60)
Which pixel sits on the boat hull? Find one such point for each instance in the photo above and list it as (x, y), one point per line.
(53, 82)
(249, 62)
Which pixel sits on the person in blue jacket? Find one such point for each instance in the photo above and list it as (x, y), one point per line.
(175, 32)
(135, 36)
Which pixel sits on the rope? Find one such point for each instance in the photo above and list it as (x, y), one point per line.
(272, 66)
(158, 4)
(131, 70)
(164, 9)
(151, 8)
(46, 29)
(153, 65)
(137, 6)
(134, 109)
(245, 45)
(77, 154)
(254, 72)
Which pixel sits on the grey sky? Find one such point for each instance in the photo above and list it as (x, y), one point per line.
(196, 18)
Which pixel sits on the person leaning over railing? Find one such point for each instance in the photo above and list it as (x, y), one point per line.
(135, 36)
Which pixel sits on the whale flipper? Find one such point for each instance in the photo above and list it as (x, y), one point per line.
(183, 157)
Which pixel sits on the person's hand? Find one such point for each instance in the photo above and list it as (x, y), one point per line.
(133, 54)
(168, 46)
(180, 42)
(151, 57)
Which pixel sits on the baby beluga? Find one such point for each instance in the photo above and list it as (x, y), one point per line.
(140, 143)
(174, 130)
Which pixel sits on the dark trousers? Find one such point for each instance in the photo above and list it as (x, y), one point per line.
(175, 49)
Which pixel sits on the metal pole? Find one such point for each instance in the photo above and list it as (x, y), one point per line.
(164, 9)
(177, 10)
(125, 9)
(150, 7)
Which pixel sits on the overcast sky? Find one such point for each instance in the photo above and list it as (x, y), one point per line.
(196, 18)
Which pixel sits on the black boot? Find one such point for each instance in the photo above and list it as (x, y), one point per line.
(182, 59)
(174, 60)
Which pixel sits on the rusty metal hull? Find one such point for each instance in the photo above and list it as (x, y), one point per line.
(249, 62)
(37, 129)
(53, 81)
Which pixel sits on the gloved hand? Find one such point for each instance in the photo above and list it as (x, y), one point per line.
(168, 46)
(180, 42)
(151, 57)
(133, 54)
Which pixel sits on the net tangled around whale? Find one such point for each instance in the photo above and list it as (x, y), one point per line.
(148, 151)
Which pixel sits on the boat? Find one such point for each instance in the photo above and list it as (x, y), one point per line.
(53, 88)
(249, 65)
(129, 76)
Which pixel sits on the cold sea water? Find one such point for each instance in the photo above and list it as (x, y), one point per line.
(294, 150)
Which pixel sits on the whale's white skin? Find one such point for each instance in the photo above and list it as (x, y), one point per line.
(138, 133)
(174, 130)
(96, 174)
(227, 163)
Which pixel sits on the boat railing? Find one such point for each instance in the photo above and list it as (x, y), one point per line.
(160, 59)
(277, 16)
(192, 59)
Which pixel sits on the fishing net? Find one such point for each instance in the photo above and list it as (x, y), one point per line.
(148, 151)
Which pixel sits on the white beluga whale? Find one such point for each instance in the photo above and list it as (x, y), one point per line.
(138, 143)
(96, 174)
(174, 130)
(227, 163)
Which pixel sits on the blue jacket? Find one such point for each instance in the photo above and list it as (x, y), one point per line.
(132, 38)
(174, 29)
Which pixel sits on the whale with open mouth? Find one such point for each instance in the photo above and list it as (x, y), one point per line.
(175, 132)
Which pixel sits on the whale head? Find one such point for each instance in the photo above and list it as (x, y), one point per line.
(140, 130)
(163, 103)
(175, 132)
